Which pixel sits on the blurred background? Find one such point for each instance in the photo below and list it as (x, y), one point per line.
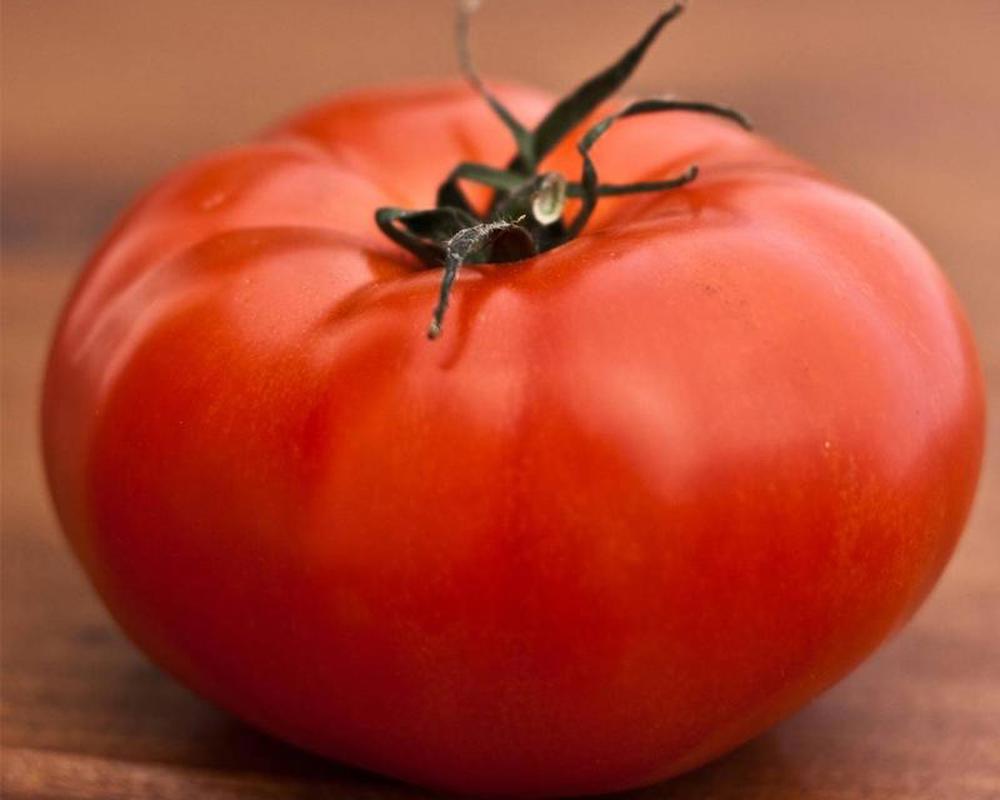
(898, 98)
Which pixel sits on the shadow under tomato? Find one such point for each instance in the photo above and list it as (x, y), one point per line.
(758, 769)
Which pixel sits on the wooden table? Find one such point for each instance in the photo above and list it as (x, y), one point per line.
(899, 99)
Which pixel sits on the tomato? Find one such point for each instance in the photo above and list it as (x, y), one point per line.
(650, 491)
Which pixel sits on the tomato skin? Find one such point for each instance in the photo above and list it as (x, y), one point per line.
(650, 492)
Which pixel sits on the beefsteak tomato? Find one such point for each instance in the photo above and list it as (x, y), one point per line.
(651, 490)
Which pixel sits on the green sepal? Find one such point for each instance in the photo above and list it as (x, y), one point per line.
(423, 231)
(577, 106)
(514, 240)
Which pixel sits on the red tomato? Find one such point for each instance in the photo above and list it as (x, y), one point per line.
(650, 492)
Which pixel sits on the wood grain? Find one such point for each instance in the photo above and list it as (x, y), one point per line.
(898, 99)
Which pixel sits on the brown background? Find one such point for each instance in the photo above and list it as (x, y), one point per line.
(899, 98)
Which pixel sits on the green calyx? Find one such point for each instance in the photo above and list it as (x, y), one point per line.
(525, 216)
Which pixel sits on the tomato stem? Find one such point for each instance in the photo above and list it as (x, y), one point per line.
(525, 215)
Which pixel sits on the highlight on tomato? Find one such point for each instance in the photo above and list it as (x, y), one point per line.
(695, 430)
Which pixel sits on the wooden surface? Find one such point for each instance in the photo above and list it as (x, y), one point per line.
(900, 99)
